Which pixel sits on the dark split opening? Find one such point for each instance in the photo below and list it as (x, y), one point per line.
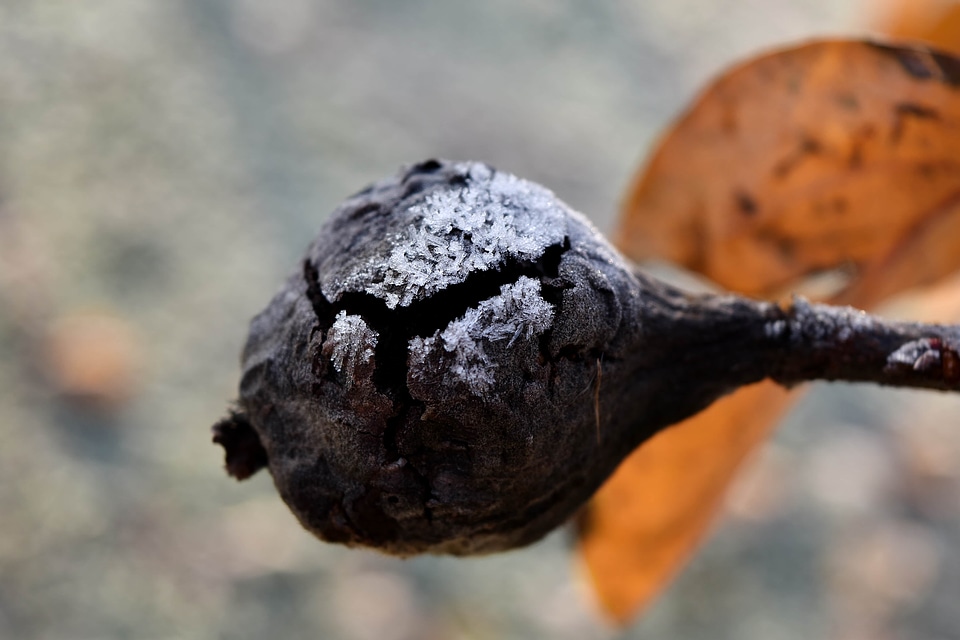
(396, 327)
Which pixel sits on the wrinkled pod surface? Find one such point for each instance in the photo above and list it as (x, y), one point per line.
(460, 361)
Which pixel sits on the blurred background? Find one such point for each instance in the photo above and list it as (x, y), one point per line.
(163, 164)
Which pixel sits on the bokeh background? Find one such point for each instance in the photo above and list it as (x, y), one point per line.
(163, 163)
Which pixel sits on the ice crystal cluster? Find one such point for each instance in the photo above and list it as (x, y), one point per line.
(455, 232)
(350, 342)
(462, 347)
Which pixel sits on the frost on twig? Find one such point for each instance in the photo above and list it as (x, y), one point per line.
(843, 343)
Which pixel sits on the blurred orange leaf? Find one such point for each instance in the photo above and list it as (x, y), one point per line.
(651, 514)
(834, 154)
(799, 161)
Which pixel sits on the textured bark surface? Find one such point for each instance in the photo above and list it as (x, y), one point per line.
(461, 361)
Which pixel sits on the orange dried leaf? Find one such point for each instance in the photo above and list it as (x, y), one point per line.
(832, 154)
(651, 514)
(802, 160)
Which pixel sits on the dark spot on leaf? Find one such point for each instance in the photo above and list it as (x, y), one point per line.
(916, 62)
(746, 203)
(785, 246)
(847, 102)
(924, 64)
(855, 161)
(794, 84)
(728, 122)
(808, 147)
(917, 110)
(828, 206)
(927, 169)
(949, 68)
(905, 110)
(859, 140)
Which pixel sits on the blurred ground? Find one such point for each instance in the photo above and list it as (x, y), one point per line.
(164, 163)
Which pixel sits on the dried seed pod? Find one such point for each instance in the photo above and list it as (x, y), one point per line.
(461, 360)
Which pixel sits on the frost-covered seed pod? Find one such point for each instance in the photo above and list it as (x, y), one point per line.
(461, 360)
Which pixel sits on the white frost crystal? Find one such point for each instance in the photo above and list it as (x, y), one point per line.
(518, 312)
(459, 231)
(353, 343)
